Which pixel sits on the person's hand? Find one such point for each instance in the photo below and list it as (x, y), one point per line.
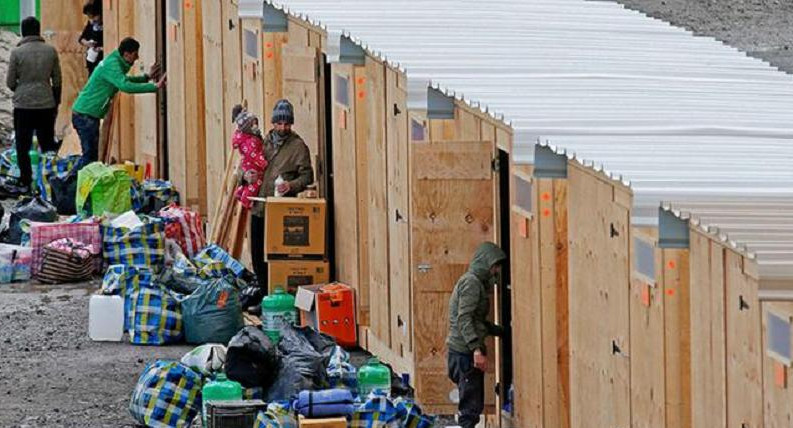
(154, 71)
(163, 80)
(480, 360)
(251, 176)
(98, 48)
(284, 188)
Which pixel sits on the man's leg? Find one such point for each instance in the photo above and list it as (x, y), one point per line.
(472, 396)
(257, 251)
(45, 129)
(23, 131)
(88, 130)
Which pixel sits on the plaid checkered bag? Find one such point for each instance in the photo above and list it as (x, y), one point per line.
(411, 415)
(213, 254)
(142, 245)
(158, 194)
(167, 395)
(122, 280)
(53, 166)
(42, 234)
(278, 415)
(377, 412)
(8, 165)
(137, 197)
(184, 226)
(342, 374)
(155, 316)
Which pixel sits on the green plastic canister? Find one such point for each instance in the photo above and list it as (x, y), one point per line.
(277, 309)
(374, 376)
(220, 389)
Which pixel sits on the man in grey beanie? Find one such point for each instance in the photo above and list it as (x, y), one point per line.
(288, 157)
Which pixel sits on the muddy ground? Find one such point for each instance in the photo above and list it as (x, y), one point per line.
(52, 375)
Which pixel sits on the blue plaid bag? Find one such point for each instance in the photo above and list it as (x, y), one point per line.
(8, 165)
(54, 167)
(167, 395)
(155, 316)
(342, 374)
(411, 415)
(137, 197)
(213, 254)
(377, 412)
(278, 415)
(141, 246)
(158, 194)
(123, 280)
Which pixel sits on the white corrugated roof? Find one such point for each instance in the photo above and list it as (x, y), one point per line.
(677, 117)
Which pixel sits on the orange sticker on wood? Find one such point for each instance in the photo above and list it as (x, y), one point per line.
(670, 292)
(361, 95)
(546, 212)
(361, 80)
(672, 264)
(780, 375)
(269, 55)
(546, 196)
(268, 45)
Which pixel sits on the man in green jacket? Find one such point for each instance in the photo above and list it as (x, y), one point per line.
(468, 328)
(93, 102)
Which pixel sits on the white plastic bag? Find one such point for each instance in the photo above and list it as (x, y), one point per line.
(207, 359)
(279, 181)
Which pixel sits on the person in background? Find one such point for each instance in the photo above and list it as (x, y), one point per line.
(34, 75)
(91, 36)
(287, 157)
(247, 140)
(93, 102)
(468, 328)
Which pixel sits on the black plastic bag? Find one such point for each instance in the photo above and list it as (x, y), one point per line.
(304, 359)
(251, 296)
(64, 191)
(11, 188)
(33, 209)
(251, 359)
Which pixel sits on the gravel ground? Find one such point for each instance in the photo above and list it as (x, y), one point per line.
(52, 375)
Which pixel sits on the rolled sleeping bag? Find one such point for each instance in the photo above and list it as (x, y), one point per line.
(325, 403)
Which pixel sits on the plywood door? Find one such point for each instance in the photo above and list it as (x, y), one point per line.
(599, 301)
(451, 214)
(399, 212)
(232, 67)
(215, 115)
(744, 353)
(146, 106)
(195, 144)
(677, 337)
(175, 90)
(301, 87)
(252, 76)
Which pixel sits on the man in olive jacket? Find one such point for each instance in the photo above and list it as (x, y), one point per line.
(93, 102)
(287, 156)
(468, 328)
(34, 74)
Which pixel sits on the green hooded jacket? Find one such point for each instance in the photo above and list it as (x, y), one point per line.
(469, 304)
(109, 77)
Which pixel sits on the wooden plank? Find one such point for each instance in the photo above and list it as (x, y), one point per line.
(548, 292)
(467, 124)
(599, 284)
(526, 321)
(126, 102)
(378, 294)
(345, 202)
(677, 337)
(556, 306)
(231, 28)
(62, 23)
(214, 113)
(272, 67)
(647, 371)
(452, 165)
(442, 130)
(365, 129)
(175, 92)
(252, 69)
(301, 87)
(778, 399)
(744, 353)
(146, 107)
(398, 170)
(195, 143)
(708, 372)
(298, 33)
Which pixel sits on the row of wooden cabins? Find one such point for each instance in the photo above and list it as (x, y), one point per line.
(624, 311)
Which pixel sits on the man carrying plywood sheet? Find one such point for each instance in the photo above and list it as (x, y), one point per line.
(93, 102)
(468, 328)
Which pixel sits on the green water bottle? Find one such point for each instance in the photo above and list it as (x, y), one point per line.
(220, 389)
(277, 309)
(374, 376)
(34, 163)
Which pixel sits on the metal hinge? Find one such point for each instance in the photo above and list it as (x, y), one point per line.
(495, 164)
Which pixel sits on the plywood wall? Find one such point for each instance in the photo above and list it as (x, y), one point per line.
(146, 147)
(62, 22)
(599, 300)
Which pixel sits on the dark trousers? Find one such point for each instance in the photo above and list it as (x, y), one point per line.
(87, 128)
(257, 251)
(26, 122)
(471, 386)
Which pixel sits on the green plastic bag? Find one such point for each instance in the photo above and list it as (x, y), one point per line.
(212, 314)
(107, 187)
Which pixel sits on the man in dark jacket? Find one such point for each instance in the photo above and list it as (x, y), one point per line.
(34, 74)
(288, 157)
(468, 328)
(93, 102)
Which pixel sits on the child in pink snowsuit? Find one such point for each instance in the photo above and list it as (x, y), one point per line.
(248, 140)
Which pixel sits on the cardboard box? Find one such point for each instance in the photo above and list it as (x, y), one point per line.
(329, 309)
(291, 274)
(295, 228)
(339, 422)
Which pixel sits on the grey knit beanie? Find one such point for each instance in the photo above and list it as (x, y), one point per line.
(235, 111)
(283, 112)
(244, 121)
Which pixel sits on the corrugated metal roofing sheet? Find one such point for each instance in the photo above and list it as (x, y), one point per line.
(676, 117)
